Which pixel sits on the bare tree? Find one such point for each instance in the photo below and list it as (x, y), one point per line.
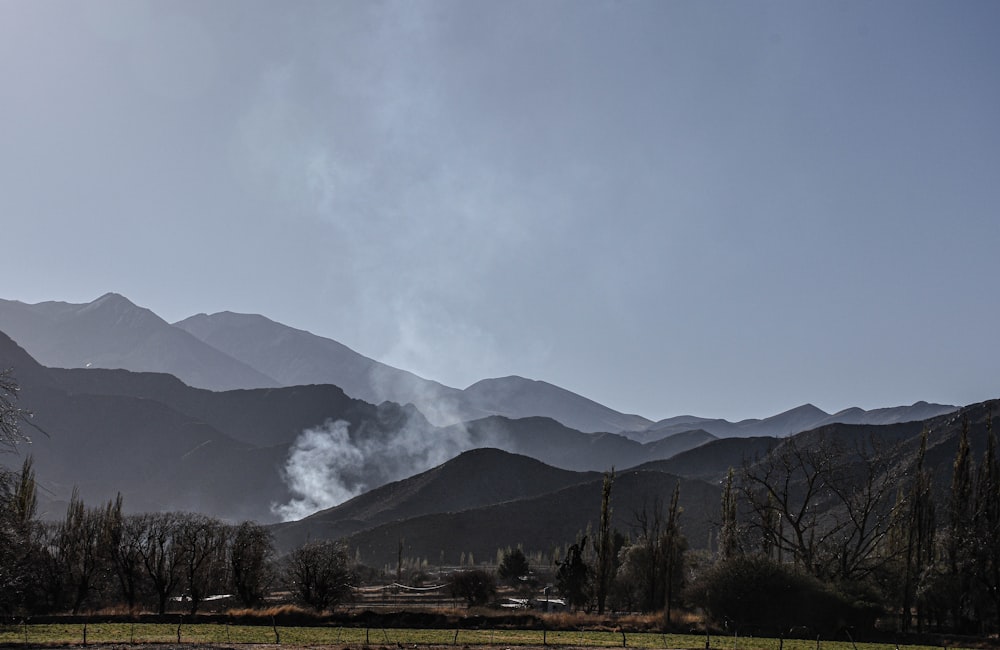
(319, 574)
(201, 543)
(11, 416)
(160, 556)
(604, 545)
(251, 557)
(827, 506)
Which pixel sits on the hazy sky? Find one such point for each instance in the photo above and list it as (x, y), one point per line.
(718, 208)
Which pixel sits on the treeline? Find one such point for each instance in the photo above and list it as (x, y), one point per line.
(827, 531)
(824, 530)
(100, 557)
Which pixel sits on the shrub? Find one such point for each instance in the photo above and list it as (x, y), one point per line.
(755, 593)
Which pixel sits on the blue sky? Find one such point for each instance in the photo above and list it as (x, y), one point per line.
(718, 208)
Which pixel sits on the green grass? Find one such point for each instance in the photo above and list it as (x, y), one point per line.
(62, 634)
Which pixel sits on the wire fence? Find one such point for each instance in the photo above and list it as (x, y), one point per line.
(27, 634)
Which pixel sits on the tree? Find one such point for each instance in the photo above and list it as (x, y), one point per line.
(918, 553)
(772, 596)
(729, 533)
(11, 416)
(826, 506)
(201, 544)
(20, 536)
(79, 550)
(604, 545)
(513, 567)
(959, 543)
(251, 555)
(476, 586)
(319, 574)
(123, 537)
(986, 526)
(160, 555)
(674, 544)
(574, 575)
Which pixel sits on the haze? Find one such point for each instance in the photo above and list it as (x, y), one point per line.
(725, 209)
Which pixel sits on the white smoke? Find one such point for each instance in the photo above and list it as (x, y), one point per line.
(330, 464)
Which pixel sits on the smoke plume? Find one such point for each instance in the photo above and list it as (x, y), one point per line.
(332, 463)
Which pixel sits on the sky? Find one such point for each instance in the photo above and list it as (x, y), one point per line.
(725, 209)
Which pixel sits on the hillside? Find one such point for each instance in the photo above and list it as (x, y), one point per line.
(542, 523)
(112, 332)
(796, 420)
(474, 479)
(295, 356)
(261, 453)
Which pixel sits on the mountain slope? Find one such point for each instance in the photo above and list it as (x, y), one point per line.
(294, 356)
(796, 420)
(473, 479)
(158, 457)
(541, 523)
(517, 397)
(558, 445)
(112, 332)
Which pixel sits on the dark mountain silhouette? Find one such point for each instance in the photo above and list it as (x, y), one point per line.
(159, 457)
(473, 479)
(167, 445)
(517, 397)
(229, 351)
(712, 460)
(111, 332)
(541, 523)
(294, 356)
(560, 446)
(796, 420)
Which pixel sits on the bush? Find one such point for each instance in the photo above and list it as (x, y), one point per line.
(770, 597)
(477, 587)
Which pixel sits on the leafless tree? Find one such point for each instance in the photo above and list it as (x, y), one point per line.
(826, 505)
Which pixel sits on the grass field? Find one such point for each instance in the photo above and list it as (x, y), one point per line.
(121, 633)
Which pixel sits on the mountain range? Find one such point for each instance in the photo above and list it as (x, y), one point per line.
(227, 351)
(246, 453)
(374, 474)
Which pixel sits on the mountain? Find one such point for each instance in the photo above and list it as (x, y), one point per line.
(112, 332)
(517, 397)
(258, 453)
(159, 457)
(294, 356)
(712, 460)
(486, 476)
(541, 523)
(796, 420)
(227, 351)
(168, 446)
(558, 445)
